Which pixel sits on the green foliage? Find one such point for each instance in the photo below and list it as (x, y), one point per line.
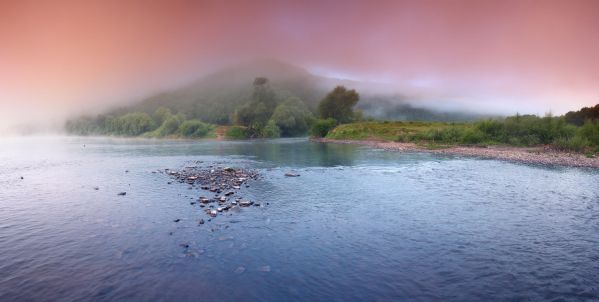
(256, 113)
(194, 129)
(236, 132)
(322, 127)
(292, 117)
(338, 104)
(161, 114)
(473, 136)
(590, 131)
(517, 130)
(170, 126)
(271, 130)
(576, 143)
(131, 124)
(266, 116)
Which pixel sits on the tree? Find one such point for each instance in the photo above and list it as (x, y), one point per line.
(271, 130)
(256, 113)
(170, 125)
(161, 114)
(586, 113)
(130, 124)
(322, 127)
(292, 117)
(339, 104)
(194, 128)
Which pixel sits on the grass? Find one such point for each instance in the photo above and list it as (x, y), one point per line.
(388, 131)
(520, 131)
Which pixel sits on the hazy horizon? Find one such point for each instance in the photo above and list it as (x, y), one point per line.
(67, 57)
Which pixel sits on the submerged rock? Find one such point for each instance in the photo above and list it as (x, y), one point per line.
(245, 203)
(239, 270)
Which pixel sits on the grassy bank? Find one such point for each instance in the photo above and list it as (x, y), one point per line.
(521, 131)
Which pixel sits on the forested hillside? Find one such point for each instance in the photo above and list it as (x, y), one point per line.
(215, 99)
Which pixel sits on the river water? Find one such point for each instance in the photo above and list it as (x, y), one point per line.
(359, 224)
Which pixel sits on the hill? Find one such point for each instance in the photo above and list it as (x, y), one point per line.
(214, 98)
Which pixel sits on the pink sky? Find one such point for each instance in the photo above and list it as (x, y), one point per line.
(527, 56)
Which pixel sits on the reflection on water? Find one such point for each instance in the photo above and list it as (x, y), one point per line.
(358, 224)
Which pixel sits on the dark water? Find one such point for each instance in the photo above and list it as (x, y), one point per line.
(357, 225)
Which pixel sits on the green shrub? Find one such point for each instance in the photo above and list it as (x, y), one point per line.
(322, 127)
(576, 143)
(590, 131)
(170, 125)
(271, 130)
(473, 136)
(194, 128)
(131, 124)
(237, 132)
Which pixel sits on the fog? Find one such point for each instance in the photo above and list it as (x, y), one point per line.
(64, 58)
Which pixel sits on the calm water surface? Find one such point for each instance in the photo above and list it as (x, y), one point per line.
(359, 224)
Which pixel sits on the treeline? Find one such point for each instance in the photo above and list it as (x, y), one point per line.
(268, 114)
(162, 123)
(581, 116)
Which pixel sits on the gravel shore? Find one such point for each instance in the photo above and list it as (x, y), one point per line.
(537, 155)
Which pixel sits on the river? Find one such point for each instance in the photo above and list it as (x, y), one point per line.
(358, 224)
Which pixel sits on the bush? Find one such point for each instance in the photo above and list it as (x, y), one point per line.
(473, 136)
(131, 124)
(590, 131)
(194, 128)
(576, 143)
(271, 130)
(237, 132)
(322, 127)
(170, 125)
(291, 117)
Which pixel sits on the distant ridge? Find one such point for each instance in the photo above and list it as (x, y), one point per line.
(213, 98)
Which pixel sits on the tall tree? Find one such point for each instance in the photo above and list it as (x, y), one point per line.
(339, 104)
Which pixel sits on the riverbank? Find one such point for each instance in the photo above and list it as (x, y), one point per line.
(533, 155)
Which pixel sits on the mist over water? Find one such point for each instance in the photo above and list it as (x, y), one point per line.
(358, 224)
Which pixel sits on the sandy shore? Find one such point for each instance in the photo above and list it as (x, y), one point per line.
(537, 155)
